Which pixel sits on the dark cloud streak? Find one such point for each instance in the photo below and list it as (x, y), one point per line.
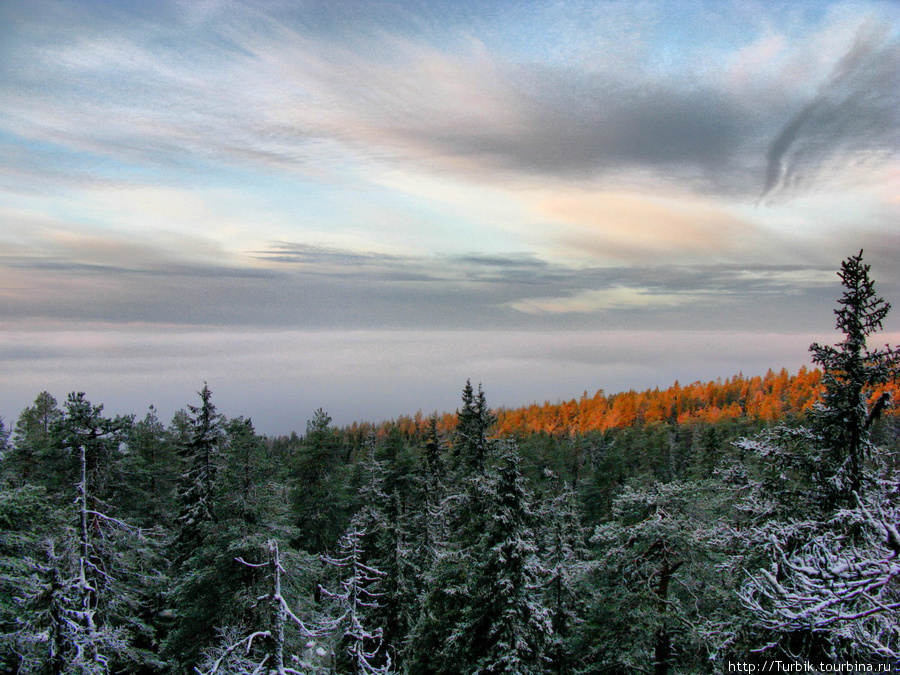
(374, 291)
(856, 110)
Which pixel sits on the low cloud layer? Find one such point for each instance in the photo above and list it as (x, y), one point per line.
(278, 378)
(314, 287)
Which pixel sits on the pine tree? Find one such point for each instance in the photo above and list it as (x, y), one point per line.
(35, 457)
(659, 602)
(27, 521)
(150, 469)
(482, 610)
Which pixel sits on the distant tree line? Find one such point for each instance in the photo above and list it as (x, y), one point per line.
(548, 540)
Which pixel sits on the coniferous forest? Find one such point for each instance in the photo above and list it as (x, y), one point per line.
(659, 532)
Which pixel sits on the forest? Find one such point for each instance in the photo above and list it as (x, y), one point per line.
(704, 528)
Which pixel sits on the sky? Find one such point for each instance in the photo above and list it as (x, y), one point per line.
(359, 205)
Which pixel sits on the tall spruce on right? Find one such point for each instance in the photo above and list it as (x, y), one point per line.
(845, 415)
(826, 542)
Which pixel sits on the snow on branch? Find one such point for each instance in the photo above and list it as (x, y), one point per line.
(841, 581)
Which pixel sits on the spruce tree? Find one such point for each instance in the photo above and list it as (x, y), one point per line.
(506, 624)
(390, 543)
(828, 501)
(200, 461)
(358, 642)
(563, 554)
(198, 595)
(471, 445)
(317, 499)
(80, 602)
(851, 375)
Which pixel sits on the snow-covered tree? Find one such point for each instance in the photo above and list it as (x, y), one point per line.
(200, 450)
(839, 590)
(563, 554)
(274, 647)
(27, 522)
(457, 520)
(660, 599)
(80, 597)
(507, 623)
(483, 610)
(851, 374)
(392, 537)
(829, 587)
(358, 645)
(433, 488)
(230, 511)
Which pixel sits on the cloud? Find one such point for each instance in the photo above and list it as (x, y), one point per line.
(854, 113)
(628, 226)
(289, 91)
(88, 275)
(617, 297)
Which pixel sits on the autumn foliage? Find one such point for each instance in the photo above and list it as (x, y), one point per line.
(769, 398)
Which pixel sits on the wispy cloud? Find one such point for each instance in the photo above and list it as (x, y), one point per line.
(591, 301)
(241, 86)
(86, 278)
(852, 118)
